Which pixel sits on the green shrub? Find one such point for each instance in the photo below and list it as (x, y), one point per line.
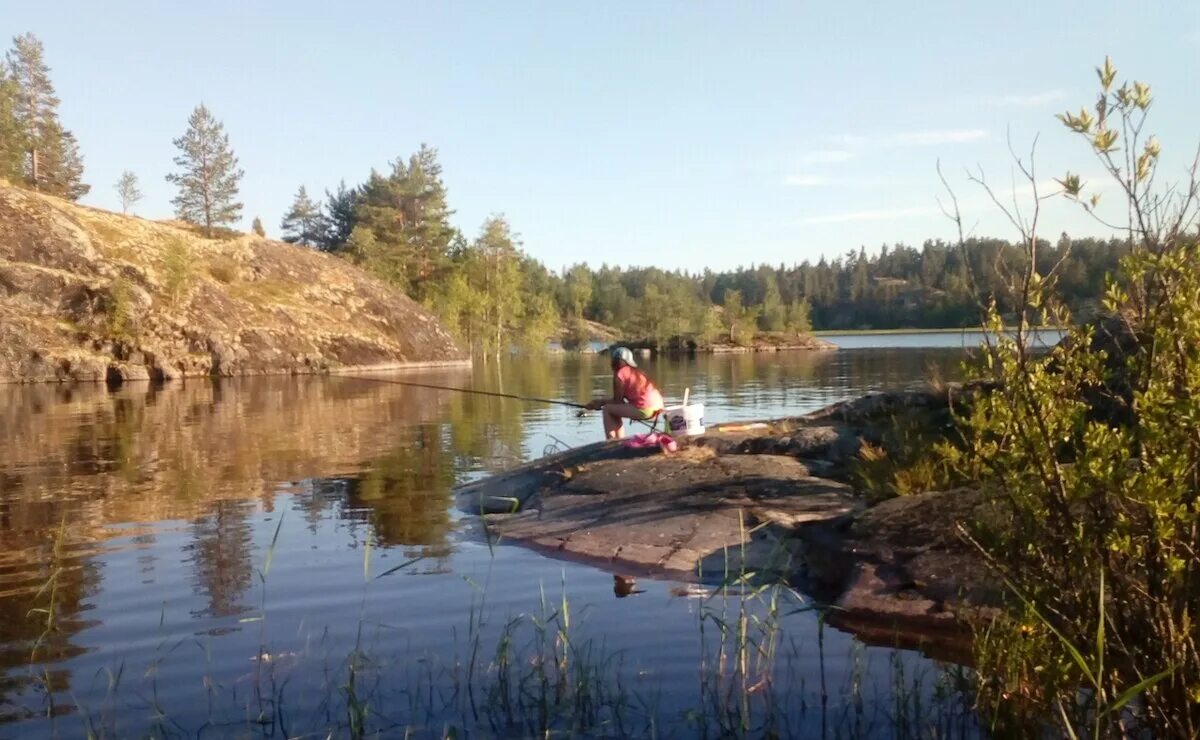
(119, 309)
(1091, 457)
(178, 270)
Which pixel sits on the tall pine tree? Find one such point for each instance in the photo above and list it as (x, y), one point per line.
(407, 213)
(209, 174)
(340, 219)
(52, 162)
(12, 135)
(304, 223)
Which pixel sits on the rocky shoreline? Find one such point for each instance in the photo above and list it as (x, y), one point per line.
(91, 296)
(772, 497)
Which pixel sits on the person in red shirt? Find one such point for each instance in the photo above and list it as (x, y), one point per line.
(634, 395)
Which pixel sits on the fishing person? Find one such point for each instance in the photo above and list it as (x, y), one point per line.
(634, 395)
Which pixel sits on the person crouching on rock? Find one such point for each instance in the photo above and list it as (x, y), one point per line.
(634, 395)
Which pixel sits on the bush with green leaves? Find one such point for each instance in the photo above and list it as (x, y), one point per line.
(1091, 457)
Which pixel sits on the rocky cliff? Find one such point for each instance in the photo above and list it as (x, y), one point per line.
(90, 295)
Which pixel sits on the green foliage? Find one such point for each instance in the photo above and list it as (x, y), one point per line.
(1091, 458)
(304, 223)
(908, 460)
(740, 319)
(50, 160)
(339, 215)
(578, 335)
(539, 321)
(256, 227)
(12, 135)
(798, 322)
(498, 282)
(119, 309)
(408, 216)
(178, 270)
(772, 315)
(209, 175)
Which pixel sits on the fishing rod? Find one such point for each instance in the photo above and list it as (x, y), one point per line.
(467, 390)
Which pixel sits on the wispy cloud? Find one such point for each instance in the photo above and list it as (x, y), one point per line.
(1033, 100)
(804, 181)
(828, 156)
(933, 137)
(808, 180)
(876, 215)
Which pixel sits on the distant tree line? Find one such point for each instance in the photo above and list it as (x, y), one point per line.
(396, 224)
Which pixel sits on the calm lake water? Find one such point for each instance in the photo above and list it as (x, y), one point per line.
(213, 559)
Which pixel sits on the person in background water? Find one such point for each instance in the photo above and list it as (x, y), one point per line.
(634, 395)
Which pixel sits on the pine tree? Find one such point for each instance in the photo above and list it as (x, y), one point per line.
(340, 221)
(52, 162)
(257, 228)
(209, 176)
(408, 214)
(12, 135)
(128, 191)
(304, 223)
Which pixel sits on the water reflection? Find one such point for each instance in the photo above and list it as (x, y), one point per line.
(143, 502)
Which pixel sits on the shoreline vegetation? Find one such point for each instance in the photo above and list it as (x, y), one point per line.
(1048, 505)
(1071, 477)
(490, 294)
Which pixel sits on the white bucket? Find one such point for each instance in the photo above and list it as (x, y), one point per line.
(688, 419)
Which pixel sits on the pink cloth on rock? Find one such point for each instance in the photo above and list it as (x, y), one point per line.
(652, 439)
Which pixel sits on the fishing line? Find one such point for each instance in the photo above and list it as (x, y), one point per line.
(494, 394)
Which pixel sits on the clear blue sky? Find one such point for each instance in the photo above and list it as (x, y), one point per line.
(681, 134)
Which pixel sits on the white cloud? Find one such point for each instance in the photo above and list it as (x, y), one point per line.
(911, 138)
(1025, 101)
(828, 156)
(876, 215)
(804, 181)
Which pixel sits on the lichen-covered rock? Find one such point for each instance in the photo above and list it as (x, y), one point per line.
(88, 295)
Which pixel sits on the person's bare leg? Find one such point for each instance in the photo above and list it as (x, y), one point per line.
(614, 426)
(614, 418)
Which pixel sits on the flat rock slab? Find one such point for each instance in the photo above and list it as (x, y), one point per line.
(689, 515)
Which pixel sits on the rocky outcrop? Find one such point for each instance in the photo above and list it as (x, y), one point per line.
(689, 515)
(770, 496)
(89, 295)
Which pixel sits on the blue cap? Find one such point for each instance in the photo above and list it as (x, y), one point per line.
(624, 355)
